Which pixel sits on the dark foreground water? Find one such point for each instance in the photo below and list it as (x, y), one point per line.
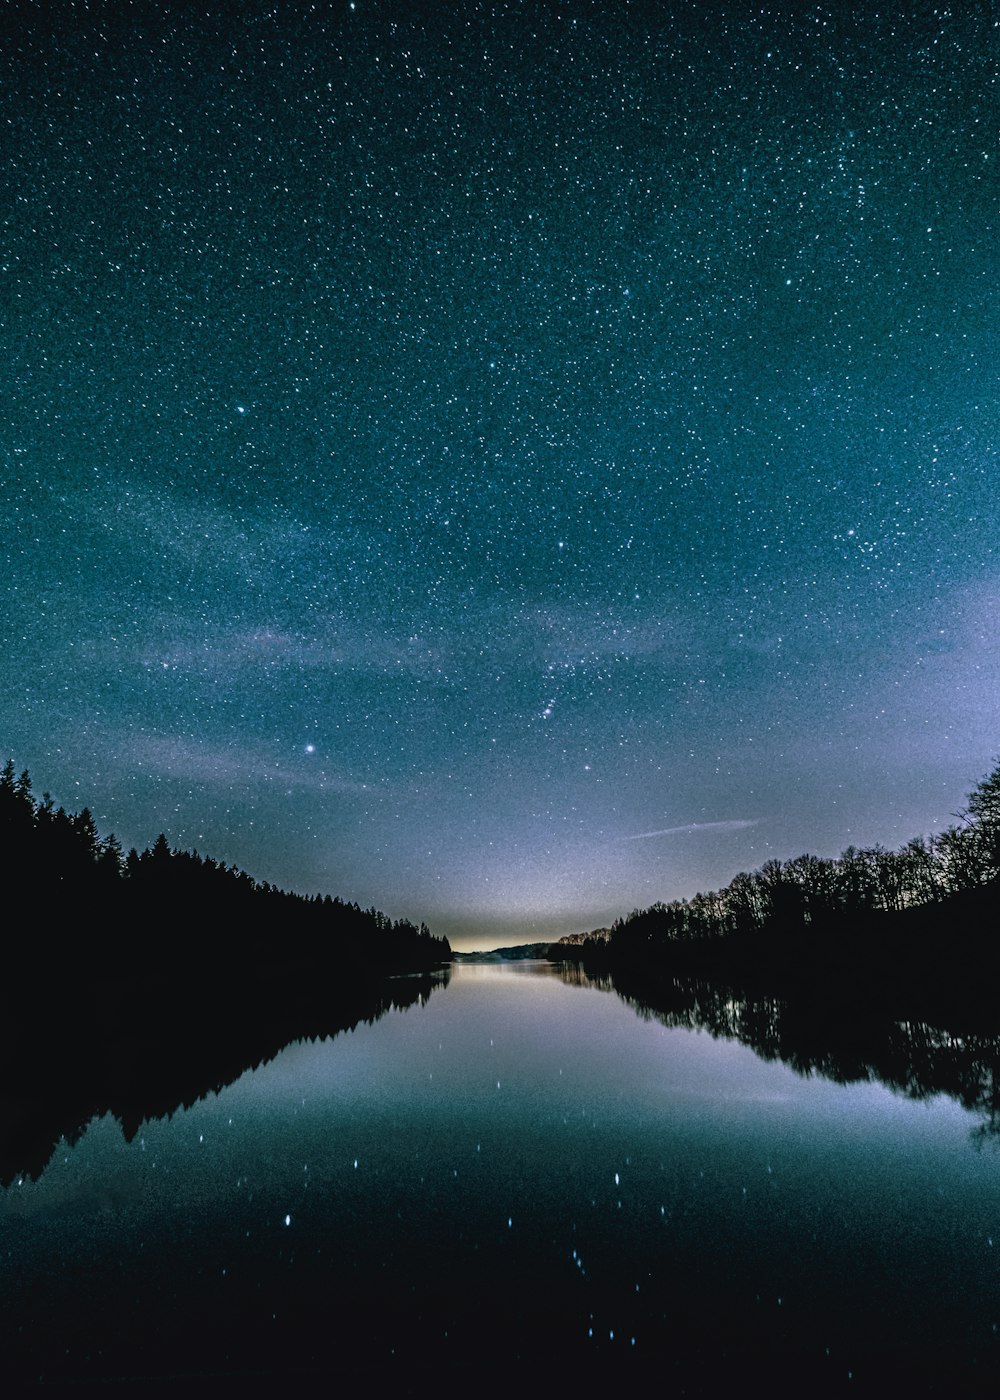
(520, 1181)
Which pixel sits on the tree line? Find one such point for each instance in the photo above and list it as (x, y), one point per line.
(144, 911)
(812, 906)
(136, 981)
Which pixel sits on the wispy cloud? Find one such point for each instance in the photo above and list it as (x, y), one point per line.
(741, 824)
(177, 757)
(568, 636)
(332, 646)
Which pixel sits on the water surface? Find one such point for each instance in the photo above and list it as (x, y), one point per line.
(520, 1174)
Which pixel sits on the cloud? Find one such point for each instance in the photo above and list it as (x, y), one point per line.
(582, 636)
(177, 757)
(741, 824)
(331, 645)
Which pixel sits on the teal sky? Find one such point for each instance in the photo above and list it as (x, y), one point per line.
(500, 463)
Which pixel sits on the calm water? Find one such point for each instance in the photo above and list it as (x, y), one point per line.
(520, 1176)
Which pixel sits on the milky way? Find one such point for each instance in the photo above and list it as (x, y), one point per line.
(445, 444)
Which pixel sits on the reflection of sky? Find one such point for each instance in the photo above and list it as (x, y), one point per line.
(453, 443)
(503, 1046)
(521, 1144)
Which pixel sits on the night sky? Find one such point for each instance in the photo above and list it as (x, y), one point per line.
(504, 463)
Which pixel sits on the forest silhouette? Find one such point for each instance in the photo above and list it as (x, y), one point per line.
(169, 912)
(136, 983)
(914, 929)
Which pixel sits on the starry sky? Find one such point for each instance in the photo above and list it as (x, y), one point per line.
(505, 463)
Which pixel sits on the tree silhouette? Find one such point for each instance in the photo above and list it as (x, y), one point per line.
(194, 912)
(811, 912)
(984, 813)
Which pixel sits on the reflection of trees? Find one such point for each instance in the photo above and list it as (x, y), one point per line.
(879, 966)
(144, 1055)
(814, 1035)
(148, 979)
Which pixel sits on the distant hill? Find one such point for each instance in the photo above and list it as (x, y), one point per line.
(522, 952)
(545, 951)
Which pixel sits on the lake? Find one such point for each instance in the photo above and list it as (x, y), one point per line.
(516, 1178)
